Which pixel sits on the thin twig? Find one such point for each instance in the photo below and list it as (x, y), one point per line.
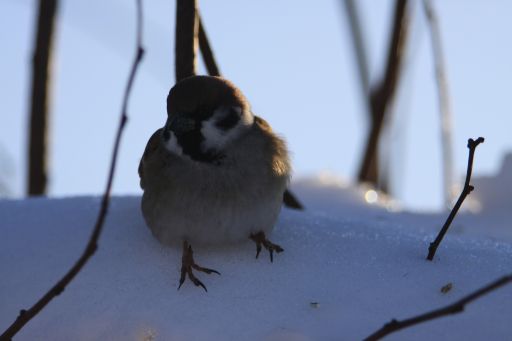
(472, 144)
(39, 99)
(454, 308)
(445, 109)
(186, 40)
(92, 245)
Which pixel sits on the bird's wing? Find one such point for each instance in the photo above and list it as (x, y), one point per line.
(262, 124)
(151, 147)
(275, 148)
(289, 198)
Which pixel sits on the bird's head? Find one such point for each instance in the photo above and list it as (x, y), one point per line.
(204, 115)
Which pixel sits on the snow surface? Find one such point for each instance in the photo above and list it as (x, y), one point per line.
(347, 269)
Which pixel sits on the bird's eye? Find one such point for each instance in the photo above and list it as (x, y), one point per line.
(229, 120)
(181, 124)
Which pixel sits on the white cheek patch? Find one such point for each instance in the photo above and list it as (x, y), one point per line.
(216, 138)
(172, 145)
(246, 118)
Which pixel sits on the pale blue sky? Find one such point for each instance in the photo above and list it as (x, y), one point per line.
(293, 60)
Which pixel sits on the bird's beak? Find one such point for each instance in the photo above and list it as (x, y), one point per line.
(180, 124)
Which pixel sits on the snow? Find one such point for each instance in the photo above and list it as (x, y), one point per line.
(348, 268)
(494, 191)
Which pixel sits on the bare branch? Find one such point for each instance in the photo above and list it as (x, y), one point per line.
(445, 109)
(472, 144)
(206, 50)
(454, 308)
(37, 144)
(381, 97)
(92, 245)
(359, 48)
(186, 39)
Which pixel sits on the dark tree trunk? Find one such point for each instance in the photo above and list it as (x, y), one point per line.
(37, 144)
(382, 95)
(186, 38)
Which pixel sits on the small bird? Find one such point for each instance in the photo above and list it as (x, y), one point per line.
(215, 173)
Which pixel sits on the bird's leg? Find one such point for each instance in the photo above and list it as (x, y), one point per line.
(187, 264)
(260, 240)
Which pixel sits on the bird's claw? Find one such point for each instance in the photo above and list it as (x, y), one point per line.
(187, 264)
(205, 270)
(260, 240)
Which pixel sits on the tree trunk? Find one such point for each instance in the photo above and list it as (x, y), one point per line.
(186, 38)
(37, 153)
(382, 96)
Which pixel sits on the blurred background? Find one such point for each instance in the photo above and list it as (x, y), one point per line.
(297, 64)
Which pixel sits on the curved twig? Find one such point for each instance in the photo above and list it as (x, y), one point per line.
(472, 144)
(26, 315)
(454, 308)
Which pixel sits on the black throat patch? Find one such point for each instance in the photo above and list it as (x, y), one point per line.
(191, 146)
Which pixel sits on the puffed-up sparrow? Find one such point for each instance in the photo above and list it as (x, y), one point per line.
(215, 173)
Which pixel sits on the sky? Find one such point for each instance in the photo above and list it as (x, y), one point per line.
(295, 63)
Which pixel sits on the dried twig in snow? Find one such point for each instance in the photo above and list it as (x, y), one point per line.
(26, 315)
(472, 144)
(454, 308)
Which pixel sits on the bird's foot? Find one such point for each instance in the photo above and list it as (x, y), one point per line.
(260, 240)
(187, 264)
